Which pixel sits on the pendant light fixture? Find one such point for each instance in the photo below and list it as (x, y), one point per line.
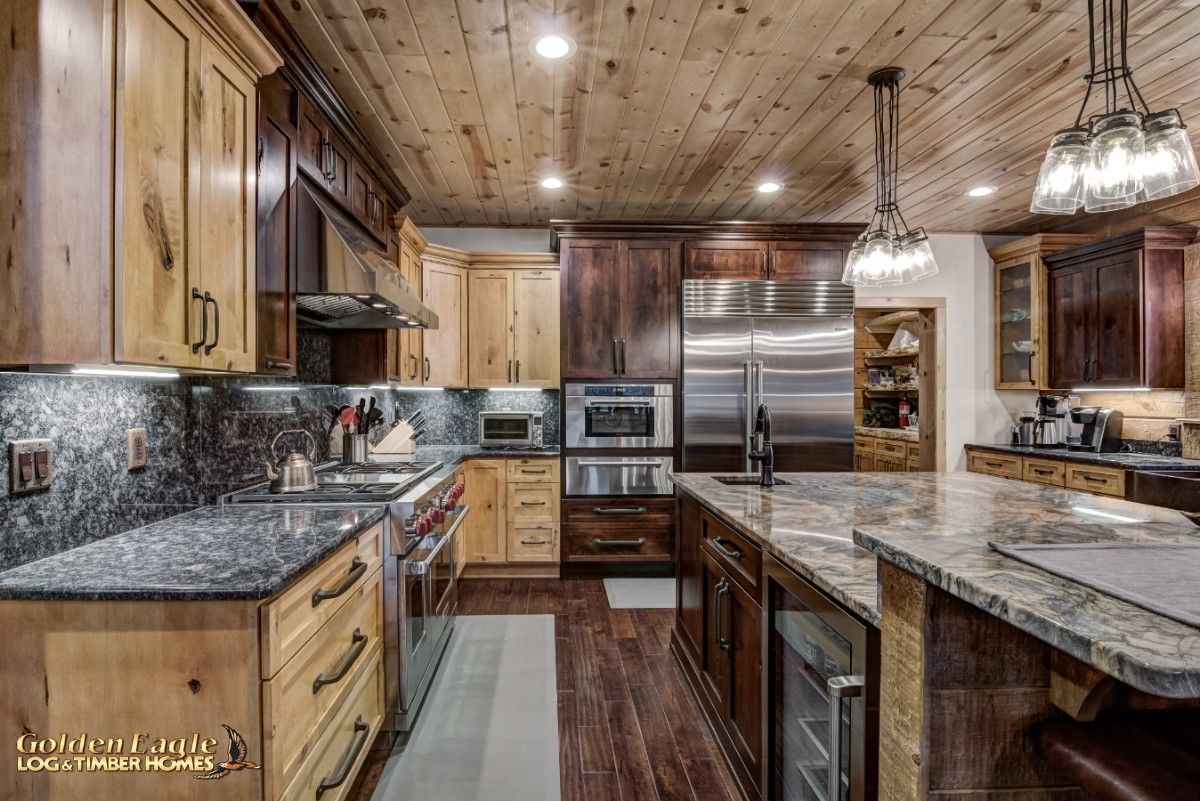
(888, 253)
(1122, 156)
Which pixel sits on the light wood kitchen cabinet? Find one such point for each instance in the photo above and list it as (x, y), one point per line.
(514, 519)
(444, 289)
(512, 328)
(173, 667)
(185, 203)
(1085, 477)
(409, 368)
(486, 492)
(884, 455)
(1021, 344)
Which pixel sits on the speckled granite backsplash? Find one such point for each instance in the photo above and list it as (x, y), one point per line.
(207, 436)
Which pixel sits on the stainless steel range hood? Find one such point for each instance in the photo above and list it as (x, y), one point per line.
(344, 279)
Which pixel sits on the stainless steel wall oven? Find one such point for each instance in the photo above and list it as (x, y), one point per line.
(619, 415)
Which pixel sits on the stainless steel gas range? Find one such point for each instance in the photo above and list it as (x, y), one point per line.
(420, 587)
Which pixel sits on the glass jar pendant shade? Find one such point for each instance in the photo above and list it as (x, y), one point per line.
(888, 253)
(1124, 155)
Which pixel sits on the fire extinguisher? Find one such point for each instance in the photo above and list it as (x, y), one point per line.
(904, 409)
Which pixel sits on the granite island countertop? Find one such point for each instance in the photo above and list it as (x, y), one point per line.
(1126, 461)
(241, 552)
(810, 524)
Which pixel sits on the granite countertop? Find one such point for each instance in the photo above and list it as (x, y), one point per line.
(1127, 461)
(810, 524)
(457, 453)
(902, 434)
(1139, 647)
(245, 552)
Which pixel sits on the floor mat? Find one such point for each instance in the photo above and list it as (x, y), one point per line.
(489, 727)
(640, 593)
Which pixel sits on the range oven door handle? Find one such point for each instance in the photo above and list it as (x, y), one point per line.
(422, 567)
(839, 687)
(612, 463)
(613, 402)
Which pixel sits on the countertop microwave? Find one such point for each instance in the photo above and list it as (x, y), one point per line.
(510, 429)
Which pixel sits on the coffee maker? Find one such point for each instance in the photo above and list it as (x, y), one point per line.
(1049, 429)
(1101, 428)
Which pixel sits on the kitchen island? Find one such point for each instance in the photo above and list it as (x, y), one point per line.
(974, 649)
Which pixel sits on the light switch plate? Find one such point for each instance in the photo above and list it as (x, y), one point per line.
(139, 448)
(30, 465)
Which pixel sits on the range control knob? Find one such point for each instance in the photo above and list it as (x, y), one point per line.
(439, 515)
(424, 526)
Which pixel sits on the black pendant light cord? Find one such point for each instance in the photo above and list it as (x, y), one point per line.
(1114, 70)
(887, 216)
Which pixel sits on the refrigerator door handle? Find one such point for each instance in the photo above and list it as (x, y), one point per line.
(839, 687)
(758, 387)
(748, 421)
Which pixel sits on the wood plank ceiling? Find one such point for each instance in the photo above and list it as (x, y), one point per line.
(677, 109)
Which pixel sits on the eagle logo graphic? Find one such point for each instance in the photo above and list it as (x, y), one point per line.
(237, 757)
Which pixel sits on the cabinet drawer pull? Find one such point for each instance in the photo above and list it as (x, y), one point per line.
(732, 553)
(995, 465)
(619, 510)
(357, 568)
(599, 543)
(348, 759)
(275, 364)
(1042, 471)
(1094, 479)
(197, 295)
(530, 472)
(533, 503)
(535, 542)
(358, 644)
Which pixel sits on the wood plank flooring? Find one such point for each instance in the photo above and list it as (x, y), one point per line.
(628, 727)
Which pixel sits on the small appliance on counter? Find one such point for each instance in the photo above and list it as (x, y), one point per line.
(510, 429)
(1101, 429)
(1022, 432)
(1049, 429)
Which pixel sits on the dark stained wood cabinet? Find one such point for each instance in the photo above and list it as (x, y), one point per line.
(324, 154)
(620, 308)
(726, 259)
(278, 141)
(1115, 311)
(807, 261)
(718, 634)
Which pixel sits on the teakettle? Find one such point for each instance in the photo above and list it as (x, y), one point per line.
(294, 472)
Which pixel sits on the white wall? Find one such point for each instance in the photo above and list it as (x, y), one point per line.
(975, 411)
(497, 240)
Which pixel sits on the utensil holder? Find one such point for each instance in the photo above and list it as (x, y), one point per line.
(354, 448)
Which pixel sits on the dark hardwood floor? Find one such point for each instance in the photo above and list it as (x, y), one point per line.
(629, 730)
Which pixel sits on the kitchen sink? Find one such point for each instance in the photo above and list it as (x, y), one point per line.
(746, 481)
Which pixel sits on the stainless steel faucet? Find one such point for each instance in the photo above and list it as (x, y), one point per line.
(765, 452)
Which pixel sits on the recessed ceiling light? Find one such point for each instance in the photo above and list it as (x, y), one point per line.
(769, 187)
(981, 191)
(553, 46)
(551, 183)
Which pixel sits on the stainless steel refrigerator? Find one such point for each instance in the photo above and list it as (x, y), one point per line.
(788, 344)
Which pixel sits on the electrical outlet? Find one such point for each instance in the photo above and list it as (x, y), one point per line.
(1173, 432)
(139, 449)
(30, 465)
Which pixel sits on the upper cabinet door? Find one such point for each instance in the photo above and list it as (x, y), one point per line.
(807, 261)
(1117, 352)
(445, 292)
(312, 152)
(592, 279)
(1070, 306)
(649, 331)
(227, 211)
(489, 309)
(159, 307)
(411, 340)
(535, 328)
(722, 258)
(276, 279)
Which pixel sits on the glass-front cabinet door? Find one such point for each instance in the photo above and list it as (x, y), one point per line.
(822, 695)
(1017, 324)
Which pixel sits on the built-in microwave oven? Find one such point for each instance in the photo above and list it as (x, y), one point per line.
(510, 429)
(619, 416)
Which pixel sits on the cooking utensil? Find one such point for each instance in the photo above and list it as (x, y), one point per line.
(349, 419)
(373, 417)
(292, 472)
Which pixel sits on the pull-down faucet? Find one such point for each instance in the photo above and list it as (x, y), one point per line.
(765, 453)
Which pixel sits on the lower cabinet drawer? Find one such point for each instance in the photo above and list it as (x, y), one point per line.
(995, 464)
(913, 451)
(319, 678)
(618, 543)
(1044, 471)
(529, 470)
(532, 503)
(533, 542)
(1100, 480)
(739, 557)
(891, 447)
(293, 617)
(623, 510)
(343, 743)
